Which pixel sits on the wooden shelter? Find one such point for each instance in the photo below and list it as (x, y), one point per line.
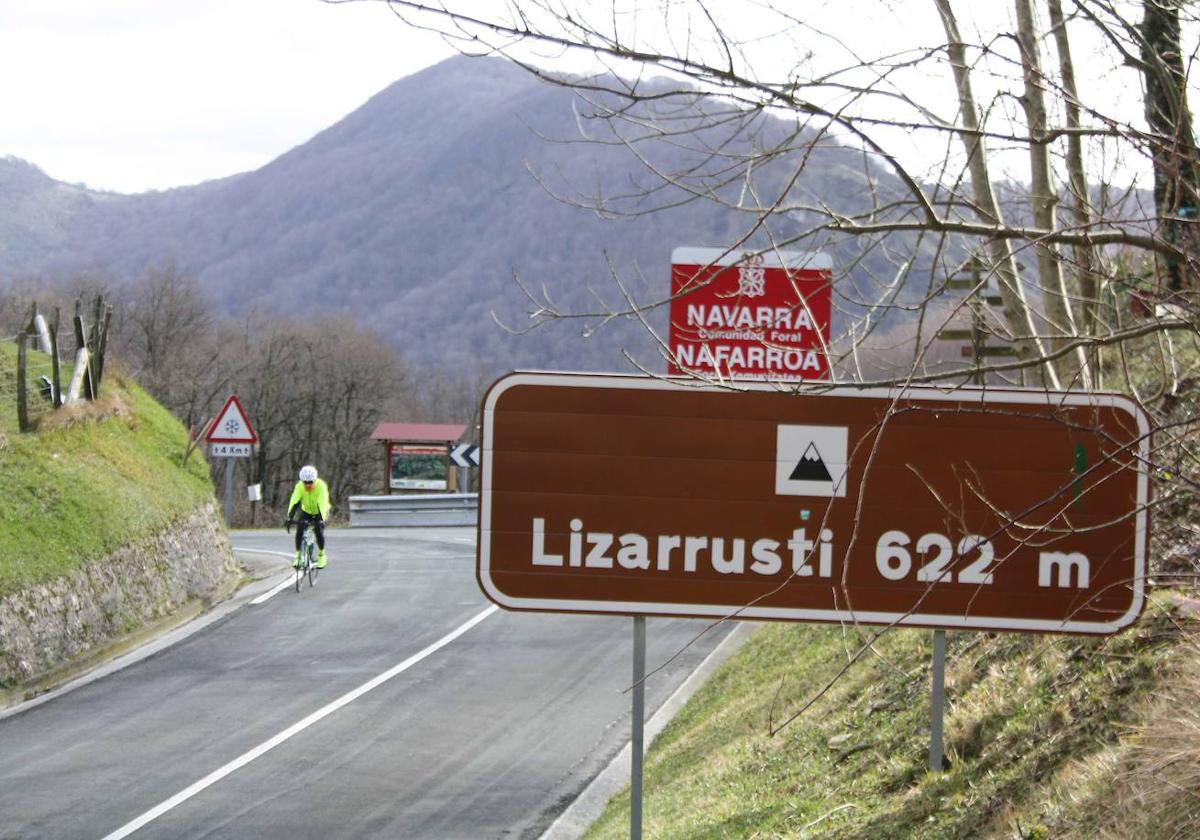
(417, 456)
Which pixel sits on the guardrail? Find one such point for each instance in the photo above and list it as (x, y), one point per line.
(413, 510)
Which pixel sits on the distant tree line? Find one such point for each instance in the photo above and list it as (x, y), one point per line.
(314, 388)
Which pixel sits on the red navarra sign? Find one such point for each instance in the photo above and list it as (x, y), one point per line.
(749, 316)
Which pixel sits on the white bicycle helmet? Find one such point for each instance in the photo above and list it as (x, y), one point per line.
(308, 473)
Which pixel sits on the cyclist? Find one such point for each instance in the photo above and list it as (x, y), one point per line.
(310, 504)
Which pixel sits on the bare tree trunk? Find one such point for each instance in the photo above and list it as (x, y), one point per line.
(1176, 170)
(1086, 262)
(1016, 308)
(1044, 199)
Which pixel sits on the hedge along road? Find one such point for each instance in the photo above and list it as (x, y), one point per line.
(389, 701)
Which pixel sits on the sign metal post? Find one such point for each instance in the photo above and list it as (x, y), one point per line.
(228, 492)
(230, 436)
(464, 456)
(974, 509)
(639, 716)
(936, 751)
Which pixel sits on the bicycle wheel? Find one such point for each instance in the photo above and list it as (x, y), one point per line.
(312, 564)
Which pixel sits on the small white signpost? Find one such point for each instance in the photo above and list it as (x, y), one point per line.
(464, 456)
(230, 436)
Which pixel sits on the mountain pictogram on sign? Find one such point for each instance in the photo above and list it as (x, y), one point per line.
(810, 467)
(811, 461)
(232, 425)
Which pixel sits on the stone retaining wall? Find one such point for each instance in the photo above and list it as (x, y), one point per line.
(48, 626)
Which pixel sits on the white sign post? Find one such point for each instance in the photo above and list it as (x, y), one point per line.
(230, 436)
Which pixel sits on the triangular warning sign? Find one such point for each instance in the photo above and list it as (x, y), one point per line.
(810, 467)
(232, 425)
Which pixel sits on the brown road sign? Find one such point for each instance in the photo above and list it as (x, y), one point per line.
(975, 508)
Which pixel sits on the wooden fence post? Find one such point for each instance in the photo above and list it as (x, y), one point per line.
(97, 320)
(102, 346)
(22, 396)
(93, 344)
(81, 343)
(55, 368)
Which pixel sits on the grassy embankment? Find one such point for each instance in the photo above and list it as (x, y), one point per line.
(1048, 737)
(90, 479)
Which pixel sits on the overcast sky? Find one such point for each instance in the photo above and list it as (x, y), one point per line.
(132, 95)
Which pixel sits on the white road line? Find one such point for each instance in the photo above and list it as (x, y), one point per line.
(277, 589)
(270, 593)
(296, 728)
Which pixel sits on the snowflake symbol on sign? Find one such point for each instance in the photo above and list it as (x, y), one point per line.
(232, 426)
(752, 280)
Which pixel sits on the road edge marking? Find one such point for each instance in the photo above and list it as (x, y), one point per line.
(296, 728)
(273, 591)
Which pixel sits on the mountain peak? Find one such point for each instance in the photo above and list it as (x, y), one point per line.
(17, 173)
(413, 214)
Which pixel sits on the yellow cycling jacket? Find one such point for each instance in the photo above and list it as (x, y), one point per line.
(312, 501)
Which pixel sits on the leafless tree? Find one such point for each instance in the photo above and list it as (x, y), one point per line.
(315, 392)
(17, 294)
(169, 339)
(750, 98)
(981, 144)
(441, 396)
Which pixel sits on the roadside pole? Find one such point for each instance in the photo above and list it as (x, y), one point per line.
(936, 753)
(464, 456)
(230, 436)
(558, 530)
(639, 715)
(228, 492)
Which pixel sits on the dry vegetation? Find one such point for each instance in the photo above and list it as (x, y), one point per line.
(109, 404)
(1148, 784)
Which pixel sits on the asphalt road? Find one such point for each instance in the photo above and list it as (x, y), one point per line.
(389, 701)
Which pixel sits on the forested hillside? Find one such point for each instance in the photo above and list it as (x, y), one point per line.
(413, 215)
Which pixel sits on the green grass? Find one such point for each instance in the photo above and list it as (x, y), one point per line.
(1023, 712)
(80, 489)
(1048, 737)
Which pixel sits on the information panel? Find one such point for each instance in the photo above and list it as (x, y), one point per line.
(419, 468)
(988, 509)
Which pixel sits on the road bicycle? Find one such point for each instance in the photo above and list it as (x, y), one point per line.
(308, 555)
